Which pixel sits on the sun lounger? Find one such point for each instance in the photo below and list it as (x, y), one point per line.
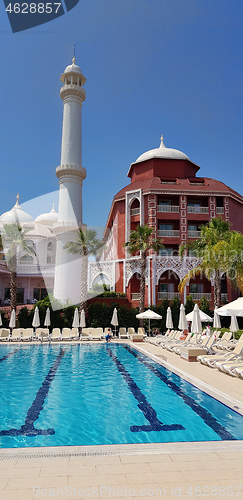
(141, 330)
(130, 331)
(171, 340)
(230, 366)
(42, 334)
(16, 335)
(179, 343)
(27, 334)
(4, 334)
(86, 334)
(230, 344)
(75, 333)
(66, 334)
(96, 333)
(123, 333)
(56, 334)
(239, 371)
(225, 338)
(210, 360)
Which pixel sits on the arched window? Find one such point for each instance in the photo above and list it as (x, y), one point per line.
(49, 246)
(26, 258)
(30, 243)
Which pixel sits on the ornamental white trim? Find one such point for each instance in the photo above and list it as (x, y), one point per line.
(132, 267)
(98, 268)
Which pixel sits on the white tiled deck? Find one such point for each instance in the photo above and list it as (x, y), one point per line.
(187, 470)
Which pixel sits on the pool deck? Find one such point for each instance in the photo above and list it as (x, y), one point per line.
(186, 470)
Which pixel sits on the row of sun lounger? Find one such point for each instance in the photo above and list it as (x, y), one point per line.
(223, 353)
(43, 334)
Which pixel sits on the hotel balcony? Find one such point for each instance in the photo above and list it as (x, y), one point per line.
(168, 208)
(197, 210)
(135, 296)
(168, 295)
(194, 234)
(169, 233)
(220, 210)
(135, 211)
(208, 296)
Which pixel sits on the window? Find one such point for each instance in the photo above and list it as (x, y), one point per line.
(165, 202)
(166, 227)
(20, 295)
(40, 293)
(30, 243)
(49, 260)
(49, 246)
(26, 258)
(166, 252)
(193, 203)
(196, 288)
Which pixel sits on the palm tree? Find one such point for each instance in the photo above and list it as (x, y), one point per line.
(13, 237)
(86, 244)
(213, 249)
(141, 241)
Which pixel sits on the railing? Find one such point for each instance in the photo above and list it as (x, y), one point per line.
(194, 234)
(168, 295)
(169, 233)
(135, 211)
(135, 296)
(198, 296)
(219, 210)
(197, 210)
(168, 208)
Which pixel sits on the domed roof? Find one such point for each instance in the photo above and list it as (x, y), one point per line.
(49, 218)
(162, 152)
(16, 215)
(73, 68)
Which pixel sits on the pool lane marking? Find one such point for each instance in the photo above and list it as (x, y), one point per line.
(9, 354)
(208, 418)
(33, 412)
(149, 412)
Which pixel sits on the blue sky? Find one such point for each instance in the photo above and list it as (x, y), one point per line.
(153, 67)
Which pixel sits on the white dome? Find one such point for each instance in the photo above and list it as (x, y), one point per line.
(73, 68)
(49, 218)
(16, 216)
(162, 152)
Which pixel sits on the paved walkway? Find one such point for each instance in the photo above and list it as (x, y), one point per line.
(184, 470)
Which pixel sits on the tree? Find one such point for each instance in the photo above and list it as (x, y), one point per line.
(86, 244)
(214, 250)
(13, 237)
(141, 241)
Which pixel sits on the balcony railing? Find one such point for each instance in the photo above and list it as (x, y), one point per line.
(169, 233)
(135, 211)
(168, 295)
(198, 296)
(194, 234)
(135, 296)
(197, 210)
(219, 210)
(168, 208)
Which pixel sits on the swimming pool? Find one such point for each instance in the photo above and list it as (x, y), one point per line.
(90, 394)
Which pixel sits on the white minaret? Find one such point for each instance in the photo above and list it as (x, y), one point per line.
(71, 175)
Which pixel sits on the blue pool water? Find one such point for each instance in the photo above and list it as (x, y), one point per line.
(102, 394)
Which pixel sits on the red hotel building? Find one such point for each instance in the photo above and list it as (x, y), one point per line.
(166, 194)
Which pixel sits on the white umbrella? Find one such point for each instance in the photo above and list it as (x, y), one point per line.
(148, 315)
(75, 323)
(234, 327)
(36, 318)
(203, 316)
(169, 321)
(82, 323)
(47, 321)
(196, 321)
(234, 308)
(1, 319)
(114, 319)
(12, 322)
(216, 319)
(182, 319)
